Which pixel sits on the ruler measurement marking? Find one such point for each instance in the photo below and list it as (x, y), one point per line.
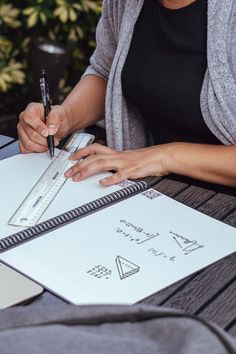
(68, 217)
(49, 184)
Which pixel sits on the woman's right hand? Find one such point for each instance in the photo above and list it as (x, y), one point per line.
(33, 132)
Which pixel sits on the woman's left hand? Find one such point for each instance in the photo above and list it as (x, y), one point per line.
(140, 163)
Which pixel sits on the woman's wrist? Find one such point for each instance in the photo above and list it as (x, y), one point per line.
(74, 122)
(177, 157)
(158, 159)
(169, 157)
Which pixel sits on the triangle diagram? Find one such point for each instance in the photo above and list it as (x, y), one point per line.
(125, 267)
(187, 245)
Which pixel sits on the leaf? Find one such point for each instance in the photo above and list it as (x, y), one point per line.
(59, 10)
(8, 15)
(3, 85)
(54, 19)
(60, 2)
(25, 43)
(64, 16)
(92, 43)
(72, 15)
(52, 35)
(16, 65)
(43, 17)
(28, 11)
(77, 6)
(5, 9)
(14, 12)
(32, 19)
(18, 76)
(6, 77)
(12, 22)
(80, 32)
(72, 35)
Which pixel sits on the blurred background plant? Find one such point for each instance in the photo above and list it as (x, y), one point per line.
(23, 23)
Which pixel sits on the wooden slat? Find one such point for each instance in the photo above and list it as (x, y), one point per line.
(204, 286)
(232, 330)
(160, 297)
(219, 206)
(150, 180)
(231, 219)
(194, 196)
(170, 187)
(223, 309)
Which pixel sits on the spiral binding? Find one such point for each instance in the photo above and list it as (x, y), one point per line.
(70, 216)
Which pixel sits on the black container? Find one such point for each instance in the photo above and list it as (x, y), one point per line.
(52, 57)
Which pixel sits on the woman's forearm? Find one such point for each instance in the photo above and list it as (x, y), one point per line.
(212, 163)
(85, 105)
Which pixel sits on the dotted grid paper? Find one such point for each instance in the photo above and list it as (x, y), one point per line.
(125, 252)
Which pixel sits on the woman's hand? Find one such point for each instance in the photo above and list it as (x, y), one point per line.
(32, 130)
(126, 164)
(211, 163)
(84, 106)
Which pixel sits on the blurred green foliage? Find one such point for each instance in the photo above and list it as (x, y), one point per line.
(22, 23)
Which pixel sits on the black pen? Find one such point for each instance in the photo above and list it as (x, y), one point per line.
(47, 107)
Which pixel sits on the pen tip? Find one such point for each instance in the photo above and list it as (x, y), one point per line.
(51, 153)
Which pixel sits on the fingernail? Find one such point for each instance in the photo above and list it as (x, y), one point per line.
(56, 142)
(76, 177)
(44, 133)
(102, 182)
(68, 173)
(52, 128)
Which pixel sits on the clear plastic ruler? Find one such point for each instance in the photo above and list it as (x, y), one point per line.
(49, 184)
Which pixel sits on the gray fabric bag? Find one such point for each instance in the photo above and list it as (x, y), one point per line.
(134, 329)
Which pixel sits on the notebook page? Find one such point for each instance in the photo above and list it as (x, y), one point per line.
(19, 174)
(126, 252)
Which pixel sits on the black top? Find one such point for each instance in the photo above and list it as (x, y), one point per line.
(164, 71)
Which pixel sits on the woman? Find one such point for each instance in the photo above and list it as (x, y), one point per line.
(163, 75)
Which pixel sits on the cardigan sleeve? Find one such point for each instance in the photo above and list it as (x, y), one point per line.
(106, 40)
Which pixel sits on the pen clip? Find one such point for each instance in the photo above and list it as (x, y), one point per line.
(43, 91)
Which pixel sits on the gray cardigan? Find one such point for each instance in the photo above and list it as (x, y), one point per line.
(124, 126)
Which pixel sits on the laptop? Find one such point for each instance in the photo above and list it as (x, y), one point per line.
(15, 288)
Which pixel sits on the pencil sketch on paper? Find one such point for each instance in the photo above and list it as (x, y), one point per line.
(188, 246)
(126, 268)
(100, 272)
(134, 232)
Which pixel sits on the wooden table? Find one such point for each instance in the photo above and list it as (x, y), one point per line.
(210, 293)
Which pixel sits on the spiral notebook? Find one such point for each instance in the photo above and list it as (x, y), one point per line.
(118, 254)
